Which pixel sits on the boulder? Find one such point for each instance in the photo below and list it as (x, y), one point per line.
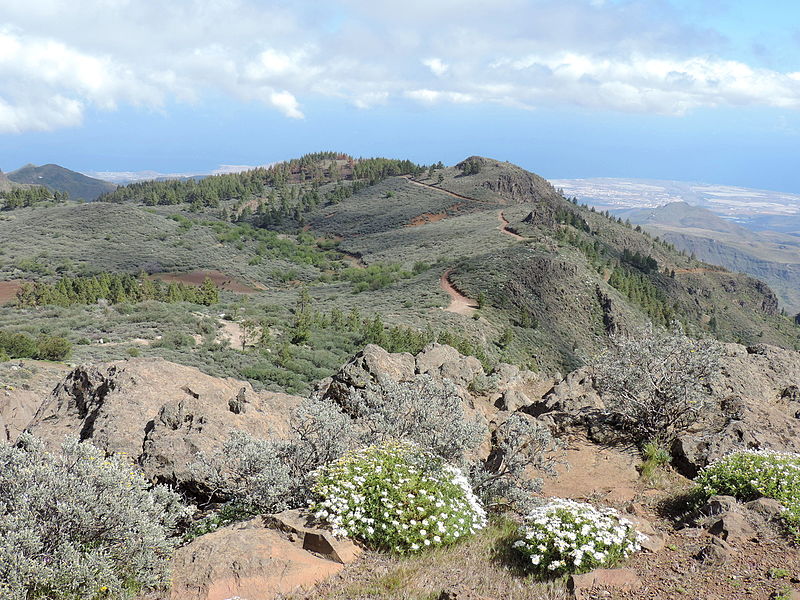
(768, 508)
(158, 413)
(445, 362)
(245, 560)
(621, 579)
(512, 400)
(302, 532)
(372, 365)
(717, 552)
(732, 527)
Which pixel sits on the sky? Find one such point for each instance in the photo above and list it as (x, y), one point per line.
(690, 90)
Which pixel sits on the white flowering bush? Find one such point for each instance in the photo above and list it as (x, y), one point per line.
(397, 496)
(751, 474)
(76, 524)
(565, 536)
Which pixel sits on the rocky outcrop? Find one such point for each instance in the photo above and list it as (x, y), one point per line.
(23, 386)
(372, 365)
(445, 362)
(158, 413)
(258, 560)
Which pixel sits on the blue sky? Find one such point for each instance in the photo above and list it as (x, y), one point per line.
(671, 89)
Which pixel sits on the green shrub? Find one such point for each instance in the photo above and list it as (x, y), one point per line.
(398, 497)
(565, 536)
(174, 340)
(17, 345)
(4, 357)
(53, 348)
(134, 352)
(77, 524)
(750, 474)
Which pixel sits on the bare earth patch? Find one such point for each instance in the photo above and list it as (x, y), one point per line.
(9, 289)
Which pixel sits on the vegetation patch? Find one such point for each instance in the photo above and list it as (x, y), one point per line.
(565, 536)
(77, 524)
(750, 474)
(398, 497)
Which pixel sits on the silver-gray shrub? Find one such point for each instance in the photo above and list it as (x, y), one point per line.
(432, 414)
(522, 449)
(273, 474)
(76, 524)
(657, 381)
(423, 410)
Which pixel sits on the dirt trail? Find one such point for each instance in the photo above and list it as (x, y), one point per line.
(503, 227)
(459, 303)
(444, 191)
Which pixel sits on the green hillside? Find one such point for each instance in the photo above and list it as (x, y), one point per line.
(319, 255)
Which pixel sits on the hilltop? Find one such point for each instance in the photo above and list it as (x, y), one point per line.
(57, 178)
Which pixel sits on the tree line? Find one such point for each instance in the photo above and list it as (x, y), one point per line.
(115, 288)
(317, 168)
(30, 196)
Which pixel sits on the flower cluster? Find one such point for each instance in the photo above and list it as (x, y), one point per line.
(565, 536)
(398, 497)
(751, 474)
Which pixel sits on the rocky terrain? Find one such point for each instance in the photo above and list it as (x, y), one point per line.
(161, 415)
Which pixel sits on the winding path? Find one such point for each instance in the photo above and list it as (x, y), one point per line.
(459, 303)
(503, 227)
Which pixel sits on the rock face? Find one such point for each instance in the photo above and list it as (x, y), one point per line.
(372, 365)
(158, 413)
(253, 561)
(23, 386)
(756, 408)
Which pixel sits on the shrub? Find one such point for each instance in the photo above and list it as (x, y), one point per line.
(397, 496)
(174, 340)
(751, 474)
(53, 348)
(521, 446)
(76, 524)
(658, 382)
(272, 475)
(423, 410)
(17, 345)
(565, 536)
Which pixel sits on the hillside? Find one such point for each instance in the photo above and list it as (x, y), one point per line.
(77, 185)
(770, 256)
(382, 247)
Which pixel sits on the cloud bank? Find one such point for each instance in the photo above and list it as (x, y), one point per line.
(60, 59)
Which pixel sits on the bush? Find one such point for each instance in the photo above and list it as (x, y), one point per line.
(398, 497)
(565, 537)
(175, 340)
(521, 446)
(422, 410)
(76, 524)
(17, 345)
(53, 348)
(657, 383)
(750, 474)
(272, 475)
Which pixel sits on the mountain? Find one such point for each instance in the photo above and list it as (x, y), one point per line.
(770, 256)
(77, 185)
(6, 184)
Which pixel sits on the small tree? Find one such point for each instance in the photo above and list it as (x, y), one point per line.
(658, 382)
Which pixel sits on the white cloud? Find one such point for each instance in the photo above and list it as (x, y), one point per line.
(60, 59)
(287, 104)
(436, 66)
